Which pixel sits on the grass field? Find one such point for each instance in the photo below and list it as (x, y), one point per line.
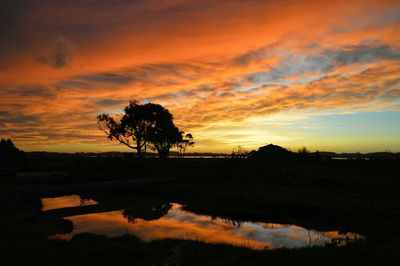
(348, 195)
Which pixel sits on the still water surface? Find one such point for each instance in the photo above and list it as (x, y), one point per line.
(177, 223)
(65, 202)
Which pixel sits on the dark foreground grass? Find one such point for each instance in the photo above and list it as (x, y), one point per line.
(358, 196)
(88, 249)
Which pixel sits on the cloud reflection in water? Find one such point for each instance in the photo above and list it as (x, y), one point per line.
(181, 224)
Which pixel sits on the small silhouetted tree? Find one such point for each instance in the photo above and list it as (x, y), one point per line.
(239, 153)
(186, 141)
(142, 126)
(303, 152)
(10, 155)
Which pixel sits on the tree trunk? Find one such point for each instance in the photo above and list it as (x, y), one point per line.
(163, 152)
(139, 153)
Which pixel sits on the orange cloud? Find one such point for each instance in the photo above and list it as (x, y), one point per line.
(209, 63)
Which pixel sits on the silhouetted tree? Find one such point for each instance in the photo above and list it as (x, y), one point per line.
(187, 141)
(239, 153)
(10, 155)
(303, 152)
(131, 129)
(163, 134)
(142, 126)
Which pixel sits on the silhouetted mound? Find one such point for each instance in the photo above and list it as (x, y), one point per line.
(273, 152)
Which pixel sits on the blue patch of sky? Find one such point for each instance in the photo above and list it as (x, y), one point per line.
(342, 132)
(363, 122)
(368, 131)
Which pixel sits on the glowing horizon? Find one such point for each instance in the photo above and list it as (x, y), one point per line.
(320, 74)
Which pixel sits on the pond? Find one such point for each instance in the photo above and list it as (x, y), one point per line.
(172, 221)
(65, 202)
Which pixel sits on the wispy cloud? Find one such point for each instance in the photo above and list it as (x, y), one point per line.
(210, 63)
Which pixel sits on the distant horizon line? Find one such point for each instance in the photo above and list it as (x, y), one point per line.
(203, 153)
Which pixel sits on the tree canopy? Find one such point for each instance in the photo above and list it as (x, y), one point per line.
(142, 127)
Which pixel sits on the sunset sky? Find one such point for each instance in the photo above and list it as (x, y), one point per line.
(320, 74)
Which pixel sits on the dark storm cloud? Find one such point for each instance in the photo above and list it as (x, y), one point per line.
(60, 57)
